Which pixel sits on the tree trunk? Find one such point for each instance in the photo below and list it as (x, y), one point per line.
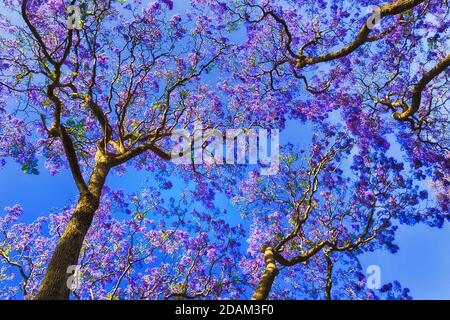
(54, 286)
(266, 281)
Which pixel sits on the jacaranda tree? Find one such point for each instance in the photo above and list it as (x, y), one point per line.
(108, 94)
(163, 249)
(313, 217)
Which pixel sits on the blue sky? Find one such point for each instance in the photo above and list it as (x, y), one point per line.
(422, 263)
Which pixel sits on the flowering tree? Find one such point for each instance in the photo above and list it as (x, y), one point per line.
(110, 94)
(158, 248)
(95, 103)
(313, 216)
(367, 59)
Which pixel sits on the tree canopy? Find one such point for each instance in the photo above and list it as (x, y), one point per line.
(367, 79)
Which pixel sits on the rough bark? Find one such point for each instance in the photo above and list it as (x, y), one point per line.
(54, 286)
(268, 277)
